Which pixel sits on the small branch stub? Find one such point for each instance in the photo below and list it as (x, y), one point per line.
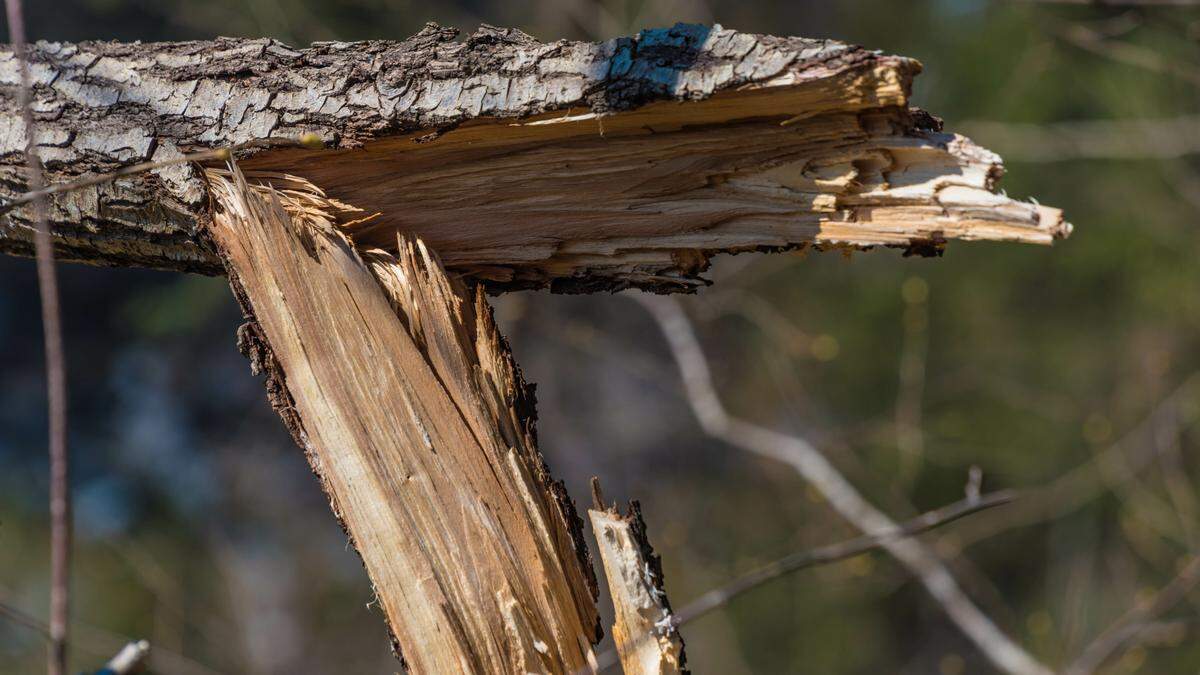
(648, 641)
(129, 660)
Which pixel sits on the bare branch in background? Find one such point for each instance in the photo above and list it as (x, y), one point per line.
(719, 597)
(918, 558)
(1174, 474)
(22, 619)
(758, 312)
(1160, 633)
(100, 642)
(128, 660)
(1134, 139)
(1072, 489)
(56, 369)
(837, 552)
(1129, 626)
(1123, 52)
(1184, 181)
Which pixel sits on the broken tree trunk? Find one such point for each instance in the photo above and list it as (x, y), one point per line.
(519, 164)
(574, 165)
(398, 386)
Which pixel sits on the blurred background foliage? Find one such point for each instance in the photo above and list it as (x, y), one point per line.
(201, 528)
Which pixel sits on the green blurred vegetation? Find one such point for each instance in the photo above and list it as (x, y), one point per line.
(202, 530)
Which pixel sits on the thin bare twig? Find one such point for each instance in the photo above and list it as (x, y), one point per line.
(22, 619)
(837, 552)
(1182, 510)
(1071, 490)
(918, 558)
(101, 642)
(32, 195)
(128, 660)
(1184, 181)
(1133, 622)
(56, 370)
(1132, 139)
(1123, 52)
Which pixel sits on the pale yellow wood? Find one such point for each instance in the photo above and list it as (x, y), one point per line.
(407, 403)
(647, 641)
(644, 198)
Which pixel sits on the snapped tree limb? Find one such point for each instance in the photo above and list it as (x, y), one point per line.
(404, 396)
(575, 165)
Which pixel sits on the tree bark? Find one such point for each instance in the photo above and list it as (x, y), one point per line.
(575, 165)
(572, 165)
(395, 381)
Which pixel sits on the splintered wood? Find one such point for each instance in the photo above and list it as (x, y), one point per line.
(645, 198)
(570, 165)
(397, 384)
(578, 166)
(647, 641)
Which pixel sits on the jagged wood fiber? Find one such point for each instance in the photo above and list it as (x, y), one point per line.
(572, 165)
(576, 165)
(648, 642)
(396, 382)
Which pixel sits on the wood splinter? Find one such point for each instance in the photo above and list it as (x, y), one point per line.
(395, 381)
(647, 638)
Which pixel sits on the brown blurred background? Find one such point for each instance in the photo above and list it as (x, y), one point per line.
(1067, 371)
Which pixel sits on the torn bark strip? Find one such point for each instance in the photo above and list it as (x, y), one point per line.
(397, 384)
(644, 629)
(578, 166)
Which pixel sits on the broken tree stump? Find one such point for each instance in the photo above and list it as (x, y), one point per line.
(516, 164)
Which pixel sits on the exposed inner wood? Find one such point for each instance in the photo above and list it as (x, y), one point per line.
(395, 381)
(580, 166)
(647, 642)
(644, 198)
(577, 166)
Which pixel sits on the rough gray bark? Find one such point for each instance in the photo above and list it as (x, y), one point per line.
(797, 142)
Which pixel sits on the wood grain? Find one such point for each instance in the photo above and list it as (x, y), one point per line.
(396, 383)
(648, 643)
